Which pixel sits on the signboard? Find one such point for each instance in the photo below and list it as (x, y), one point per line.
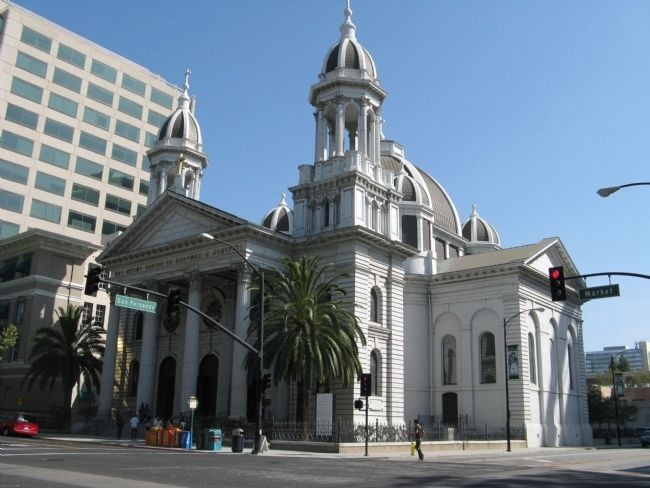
(324, 413)
(135, 303)
(513, 362)
(599, 292)
(619, 384)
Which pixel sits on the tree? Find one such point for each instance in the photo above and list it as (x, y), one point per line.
(67, 353)
(8, 339)
(621, 364)
(310, 331)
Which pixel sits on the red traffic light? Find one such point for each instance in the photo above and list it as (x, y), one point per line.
(555, 273)
(556, 282)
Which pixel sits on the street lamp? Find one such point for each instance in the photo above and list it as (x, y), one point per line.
(192, 403)
(607, 191)
(260, 352)
(505, 357)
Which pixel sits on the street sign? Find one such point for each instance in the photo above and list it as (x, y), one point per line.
(135, 303)
(599, 292)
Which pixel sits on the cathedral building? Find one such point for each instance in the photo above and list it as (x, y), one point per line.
(434, 294)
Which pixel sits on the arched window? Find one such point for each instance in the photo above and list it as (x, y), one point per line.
(375, 315)
(138, 320)
(449, 360)
(375, 373)
(531, 362)
(134, 371)
(570, 358)
(488, 359)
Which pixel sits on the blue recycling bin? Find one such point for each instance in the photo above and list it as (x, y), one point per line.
(214, 440)
(186, 439)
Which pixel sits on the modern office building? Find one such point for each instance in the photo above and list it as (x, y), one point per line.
(76, 121)
(638, 357)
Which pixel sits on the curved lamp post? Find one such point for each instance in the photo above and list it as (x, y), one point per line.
(260, 354)
(605, 192)
(505, 357)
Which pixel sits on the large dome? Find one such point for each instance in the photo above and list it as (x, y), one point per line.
(181, 125)
(348, 53)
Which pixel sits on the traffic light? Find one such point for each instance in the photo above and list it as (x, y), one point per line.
(358, 404)
(365, 384)
(174, 302)
(266, 382)
(556, 279)
(93, 279)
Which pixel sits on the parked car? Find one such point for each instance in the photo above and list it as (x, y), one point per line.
(18, 423)
(645, 438)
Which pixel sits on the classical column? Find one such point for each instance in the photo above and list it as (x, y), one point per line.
(108, 366)
(362, 138)
(238, 384)
(340, 129)
(191, 343)
(147, 374)
(320, 136)
(370, 143)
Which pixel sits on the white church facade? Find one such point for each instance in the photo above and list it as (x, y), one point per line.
(434, 294)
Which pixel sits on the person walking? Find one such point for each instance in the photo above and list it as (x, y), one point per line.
(119, 424)
(134, 426)
(419, 433)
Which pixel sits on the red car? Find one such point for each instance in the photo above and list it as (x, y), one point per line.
(18, 424)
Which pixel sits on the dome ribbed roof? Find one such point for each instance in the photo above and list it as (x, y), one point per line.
(478, 230)
(280, 218)
(181, 124)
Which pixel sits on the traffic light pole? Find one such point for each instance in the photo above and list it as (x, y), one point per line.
(366, 425)
(611, 273)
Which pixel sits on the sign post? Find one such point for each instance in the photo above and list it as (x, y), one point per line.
(599, 292)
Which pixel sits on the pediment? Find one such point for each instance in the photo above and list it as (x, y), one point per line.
(170, 219)
(551, 255)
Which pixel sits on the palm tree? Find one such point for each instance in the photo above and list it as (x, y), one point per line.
(310, 331)
(72, 351)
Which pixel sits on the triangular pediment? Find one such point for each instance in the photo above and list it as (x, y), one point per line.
(552, 255)
(169, 219)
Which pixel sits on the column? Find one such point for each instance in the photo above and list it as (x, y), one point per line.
(147, 375)
(191, 344)
(370, 143)
(238, 382)
(162, 186)
(320, 136)
(362, 138)
(340, 129)
(108, 367)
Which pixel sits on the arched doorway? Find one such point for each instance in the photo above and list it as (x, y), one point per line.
(450, 408)
(206, 385)
(166, 385)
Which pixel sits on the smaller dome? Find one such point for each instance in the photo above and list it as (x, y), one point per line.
(411, 190)
(479, 231)
(182, 124)
(348, 53)
(280, 218)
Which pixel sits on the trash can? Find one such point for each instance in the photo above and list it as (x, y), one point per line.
(199, 438)
(169, 438)
(151, 438)
(186, 439)
(238, 440)
(214, 440)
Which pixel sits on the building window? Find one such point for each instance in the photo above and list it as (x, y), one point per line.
(49, 183)
(13, 172)
(11, 201)
(92, 143)
(129, 107)
(109, 228)
(21, 116)
(375, 306)
(100, 315)
(33, 38)
(449, 360)
(146, 164)
(488, 358)
(87, 314)
(532, 362)
(570, 361)
(134, 371)
(8, 229)
(100, 94)
(375, 373)
(26, 90)
(133, 85)
(144, 187)
(16, 143)
(156, 119)
(31, 64)
(161, 98)
(81, 221)
(149, 139)
(88, 168)
(117, 204)
(96, 118)
(45, 211)
(85, 194)
(58, 130)
(410, 230)
(63, 105)
(72, 56)
(103, 71)
(124, 155)
(66, 80)
(118, 178)
(20, 312)
(128, 131)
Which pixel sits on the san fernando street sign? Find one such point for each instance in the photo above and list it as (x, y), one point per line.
(135, 303)
(599, 292)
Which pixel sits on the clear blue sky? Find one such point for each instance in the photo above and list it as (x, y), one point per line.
(523, 107)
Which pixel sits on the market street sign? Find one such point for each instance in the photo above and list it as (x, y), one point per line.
(135, 303)
(599, 292)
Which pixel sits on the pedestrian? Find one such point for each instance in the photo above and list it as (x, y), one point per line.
(119, 424)
(134, 426)
(419, 433)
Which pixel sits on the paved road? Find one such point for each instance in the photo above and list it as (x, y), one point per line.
(40, 463)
